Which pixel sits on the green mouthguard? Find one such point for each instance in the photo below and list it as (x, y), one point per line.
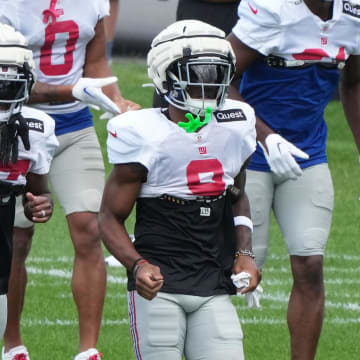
(195, 123)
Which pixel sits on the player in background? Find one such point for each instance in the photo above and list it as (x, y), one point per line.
(110, 28)
(68, 41)
(27, 145)
(184, 168)
(290, 54)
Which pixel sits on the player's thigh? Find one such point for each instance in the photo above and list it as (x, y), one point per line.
(259, 189)
(303, 208)
(214, 331)
(77, 173)
(157, 327)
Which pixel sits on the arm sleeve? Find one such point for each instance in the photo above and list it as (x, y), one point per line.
(258, 26)
(125, 144)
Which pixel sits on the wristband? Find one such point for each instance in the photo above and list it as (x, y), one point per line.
(243, 220)
(139, 262)
(135, 263)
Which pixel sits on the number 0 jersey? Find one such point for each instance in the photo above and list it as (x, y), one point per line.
(59, 46)
(183, 164)
(291, 100)
(43, 144)
(191, 240)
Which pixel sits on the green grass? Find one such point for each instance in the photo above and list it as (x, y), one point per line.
(50, 318)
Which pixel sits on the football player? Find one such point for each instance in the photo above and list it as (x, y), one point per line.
(184, 168)
(27, 145)
(68, 42)
(293, 52)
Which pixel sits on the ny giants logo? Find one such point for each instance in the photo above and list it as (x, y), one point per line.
(205, 211)
(351, 9)
(202, 150)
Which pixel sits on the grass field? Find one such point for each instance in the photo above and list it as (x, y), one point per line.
(50, 320)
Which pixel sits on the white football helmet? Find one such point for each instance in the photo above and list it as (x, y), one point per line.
(17, 71)
(191, 64)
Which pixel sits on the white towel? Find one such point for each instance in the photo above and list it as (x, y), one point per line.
(242, 281)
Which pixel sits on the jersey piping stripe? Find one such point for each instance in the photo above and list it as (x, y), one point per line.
(133, 329)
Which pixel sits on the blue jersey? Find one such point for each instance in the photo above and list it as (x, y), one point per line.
(291, 96)
(73, 121)
(292, 103)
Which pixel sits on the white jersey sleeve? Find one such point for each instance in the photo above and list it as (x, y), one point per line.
(241, 117)
(43, 142)
(258, 25)
(125, 144)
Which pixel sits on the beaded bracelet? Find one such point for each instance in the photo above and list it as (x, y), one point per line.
(242, 252)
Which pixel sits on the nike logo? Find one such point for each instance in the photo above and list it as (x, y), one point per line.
(86, 92)
(113, 134)
(255, 11)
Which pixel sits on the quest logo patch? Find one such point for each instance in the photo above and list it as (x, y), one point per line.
(351, 9)
(230, 115)
(35, 125)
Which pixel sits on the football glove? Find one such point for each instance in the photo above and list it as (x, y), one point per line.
(281, 156)
(88, 90)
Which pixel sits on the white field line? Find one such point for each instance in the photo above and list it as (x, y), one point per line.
(345, 257)
(67, 274)
(283, 269)
(119, 322)
(60, 322)
(122, 280)
(277, 297)
(69, 259)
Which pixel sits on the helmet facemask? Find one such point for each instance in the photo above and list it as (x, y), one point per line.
(197, 83)
(13, 91)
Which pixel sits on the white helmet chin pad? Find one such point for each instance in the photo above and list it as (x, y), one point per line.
(190, 56)
(199, 106)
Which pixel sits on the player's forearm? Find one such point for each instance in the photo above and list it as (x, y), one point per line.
(117, 240)
(48, 93)
(243, 233)
(101, 69)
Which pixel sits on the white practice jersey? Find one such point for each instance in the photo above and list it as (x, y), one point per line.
(74, 26)
(287, 28)
(43, 144)
(183, 164)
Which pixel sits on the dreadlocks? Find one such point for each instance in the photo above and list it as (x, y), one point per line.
(10, 131)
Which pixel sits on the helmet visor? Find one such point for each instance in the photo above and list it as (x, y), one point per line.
(12, 90)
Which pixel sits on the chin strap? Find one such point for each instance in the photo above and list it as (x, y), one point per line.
(195, 123)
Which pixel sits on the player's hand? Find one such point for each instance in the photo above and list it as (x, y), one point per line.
(124, 106)
(88, 90)
(148, 280)
(248, 265)
(127, 105)
(280, 156)
(38, 208)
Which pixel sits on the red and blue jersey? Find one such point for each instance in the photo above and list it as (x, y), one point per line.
(291, 96)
